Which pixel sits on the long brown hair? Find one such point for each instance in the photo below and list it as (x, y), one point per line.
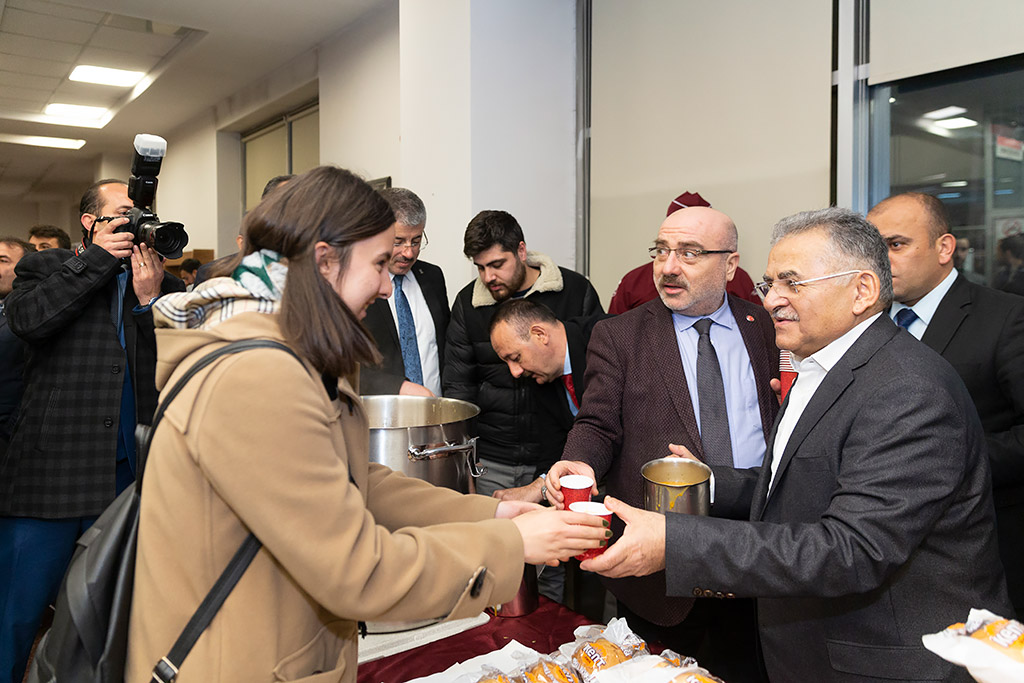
(327, 204)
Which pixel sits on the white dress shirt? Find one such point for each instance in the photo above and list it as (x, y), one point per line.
(426, 335)
(811, 372)
(926, 307)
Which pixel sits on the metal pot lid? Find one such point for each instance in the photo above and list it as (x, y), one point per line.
(403, 412)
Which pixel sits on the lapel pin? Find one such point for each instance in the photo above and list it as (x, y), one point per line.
(750, 318)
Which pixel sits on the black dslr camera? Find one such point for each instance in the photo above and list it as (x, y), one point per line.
(167, 239)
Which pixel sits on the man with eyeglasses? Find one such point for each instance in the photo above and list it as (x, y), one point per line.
(980, 331)
(870, 522)
(410, 325)
(692, 367)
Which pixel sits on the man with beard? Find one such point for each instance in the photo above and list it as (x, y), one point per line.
(517, 439)
(409, 326)
(692, 367)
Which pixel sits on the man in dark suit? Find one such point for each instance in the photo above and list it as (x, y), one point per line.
(90, 378)
(410, 326)
(649, 385)
(980, 331)
(870, 523)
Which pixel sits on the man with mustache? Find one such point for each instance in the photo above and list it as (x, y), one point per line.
(693, 367)
(410, 325)
(518, 439)
(871, 521)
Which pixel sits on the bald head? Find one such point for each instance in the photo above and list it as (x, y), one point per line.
(915, 228)
(713, 224)
(688, 280)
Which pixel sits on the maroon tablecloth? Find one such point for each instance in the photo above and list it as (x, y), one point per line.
(544, 630)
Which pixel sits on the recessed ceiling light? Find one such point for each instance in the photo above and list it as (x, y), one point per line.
(958, 122)
(41, 141)
(101, 75)
(74, 111)
(945, 113)
(955, 183)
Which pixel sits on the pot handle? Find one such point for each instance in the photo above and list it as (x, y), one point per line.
(420, 453)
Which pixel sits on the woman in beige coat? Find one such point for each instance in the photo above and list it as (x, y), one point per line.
(260, 442)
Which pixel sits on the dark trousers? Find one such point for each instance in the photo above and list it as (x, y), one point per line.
(720, 634)
(34, 554)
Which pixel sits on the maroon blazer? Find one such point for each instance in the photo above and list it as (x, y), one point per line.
(637, 403)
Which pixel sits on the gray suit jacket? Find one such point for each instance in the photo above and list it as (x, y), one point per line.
(878, 529)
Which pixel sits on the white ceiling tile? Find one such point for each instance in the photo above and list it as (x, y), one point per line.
(35, 66)
(16, 105)
(89, 94)
(27, 94)
(10, 78)
(117, 59)
(58, 10)
(134, 41)
(46, 26)
(27, 46)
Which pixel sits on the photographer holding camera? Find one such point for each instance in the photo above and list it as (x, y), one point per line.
(89, 380)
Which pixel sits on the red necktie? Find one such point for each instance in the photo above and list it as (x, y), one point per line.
(567, 381)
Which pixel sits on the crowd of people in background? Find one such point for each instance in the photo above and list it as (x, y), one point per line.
(879, 500)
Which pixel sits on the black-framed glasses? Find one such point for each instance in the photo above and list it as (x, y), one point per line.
(685, 254)
(791, 287)
(416, 243)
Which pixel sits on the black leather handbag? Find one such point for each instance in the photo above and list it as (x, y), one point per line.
(88, 641)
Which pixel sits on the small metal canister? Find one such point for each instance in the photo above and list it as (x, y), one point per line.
(677, 485)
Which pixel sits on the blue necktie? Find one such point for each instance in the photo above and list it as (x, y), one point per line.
(407, 334)
(905, 317)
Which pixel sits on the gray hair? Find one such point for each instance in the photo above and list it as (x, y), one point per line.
(854, 242)
(408, 208)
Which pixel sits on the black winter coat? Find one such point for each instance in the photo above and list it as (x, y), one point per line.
(513, 428)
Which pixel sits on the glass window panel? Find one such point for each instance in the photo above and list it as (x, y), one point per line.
(266, 156)
(959, 136)
(306, 142)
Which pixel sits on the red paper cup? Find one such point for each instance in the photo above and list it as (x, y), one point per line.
(590, 508)
(575, 488)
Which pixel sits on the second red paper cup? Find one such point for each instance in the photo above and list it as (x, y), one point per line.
(575, 488)
(590, 508)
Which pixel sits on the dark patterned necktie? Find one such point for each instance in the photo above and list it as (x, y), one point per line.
(407, 334)
(714, 420)
(905, 317)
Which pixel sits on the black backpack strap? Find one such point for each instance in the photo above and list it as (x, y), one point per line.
(166, 669)
(144, 433)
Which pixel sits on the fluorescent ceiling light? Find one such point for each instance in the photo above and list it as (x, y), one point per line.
(955, 183)
(948, 195)
(74, 111)
(101, 75)
(40, 141)
(958, 122)
(945, 113)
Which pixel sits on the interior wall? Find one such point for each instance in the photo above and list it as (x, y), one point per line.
(359, 101)
(188, 181)
(17, 216)
(730, 99)
(524, 118)
(914, 37)
(434, 82)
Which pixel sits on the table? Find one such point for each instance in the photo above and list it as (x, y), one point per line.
(544, 630)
